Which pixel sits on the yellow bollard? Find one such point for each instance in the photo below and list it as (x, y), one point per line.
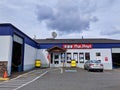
(37, 63)
(73, 63)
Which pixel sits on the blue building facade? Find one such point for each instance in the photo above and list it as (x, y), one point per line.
(20, 51)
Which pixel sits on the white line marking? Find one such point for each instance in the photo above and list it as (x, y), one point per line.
(31, 81)
(18, 76)
(7, 86)
(61, 70)
(22, 75)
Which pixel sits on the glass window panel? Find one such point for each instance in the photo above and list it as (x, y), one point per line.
(75, 56)
(87, 56)
(81, 57)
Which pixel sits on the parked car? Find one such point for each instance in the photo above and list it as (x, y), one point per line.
(93, 65)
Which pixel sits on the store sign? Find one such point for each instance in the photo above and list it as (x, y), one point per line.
(77, 46)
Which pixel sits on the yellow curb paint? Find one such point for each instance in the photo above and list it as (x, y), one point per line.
(4, 79)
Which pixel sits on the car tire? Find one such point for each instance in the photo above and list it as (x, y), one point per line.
(101, 70)
(85, 68)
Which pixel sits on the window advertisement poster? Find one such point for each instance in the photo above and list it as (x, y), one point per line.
(81, 57)
(75, 55)
(68, 57)
(62, 57)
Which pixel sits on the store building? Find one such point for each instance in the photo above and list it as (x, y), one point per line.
(20, 51)
(64, 50)
(17, 49)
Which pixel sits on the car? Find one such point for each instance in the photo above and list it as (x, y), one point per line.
(93, 65)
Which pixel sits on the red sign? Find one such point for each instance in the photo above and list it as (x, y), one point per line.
(48, 57)
(106, 58)
(77, 46)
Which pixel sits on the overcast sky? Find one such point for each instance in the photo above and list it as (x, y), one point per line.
(69, 18)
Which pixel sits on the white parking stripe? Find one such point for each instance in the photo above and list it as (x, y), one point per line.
(31, 81)
(18, 76)
(22, 75)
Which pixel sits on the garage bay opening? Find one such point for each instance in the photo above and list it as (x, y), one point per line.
(17, 55)
(116, 60)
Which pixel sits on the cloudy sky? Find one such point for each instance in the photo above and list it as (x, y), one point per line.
(68, 18)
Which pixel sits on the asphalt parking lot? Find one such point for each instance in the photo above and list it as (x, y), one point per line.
(71, 79)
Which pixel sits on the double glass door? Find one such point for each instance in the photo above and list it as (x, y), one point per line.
(56, 59)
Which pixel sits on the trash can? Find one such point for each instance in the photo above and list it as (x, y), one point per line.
(73, 63)
(37, 63)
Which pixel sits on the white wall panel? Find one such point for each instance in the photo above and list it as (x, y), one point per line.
(29, 57)
(104, 53)
(6, 50)
(115, 50)
(42, 55)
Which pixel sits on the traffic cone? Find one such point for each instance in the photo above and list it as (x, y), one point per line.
(5, 74)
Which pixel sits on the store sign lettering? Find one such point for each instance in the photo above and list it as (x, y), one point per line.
(77, 46)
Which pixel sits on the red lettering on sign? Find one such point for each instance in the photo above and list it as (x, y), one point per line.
(77, 46)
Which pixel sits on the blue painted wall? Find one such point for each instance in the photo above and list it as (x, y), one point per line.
(5, 30)
(46, 46)
(103, 45)
(9, 29)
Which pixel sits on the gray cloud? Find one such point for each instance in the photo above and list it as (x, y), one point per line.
(44, 12)
(68, 16)
(112, 31)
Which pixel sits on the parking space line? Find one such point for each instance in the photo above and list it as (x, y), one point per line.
(19, 76)
(31, 81)
(8, 86)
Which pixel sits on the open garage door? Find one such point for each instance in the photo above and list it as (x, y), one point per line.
(116, 57)
(116, 60)
(17, 54)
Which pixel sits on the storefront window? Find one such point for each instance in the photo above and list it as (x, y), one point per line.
(75, 56)
(81, 57)
(87, 56)
(69, 57)
(56, 59)
(98, 54)
(62, 57)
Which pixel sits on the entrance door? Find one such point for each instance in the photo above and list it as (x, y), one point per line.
(56, 60)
